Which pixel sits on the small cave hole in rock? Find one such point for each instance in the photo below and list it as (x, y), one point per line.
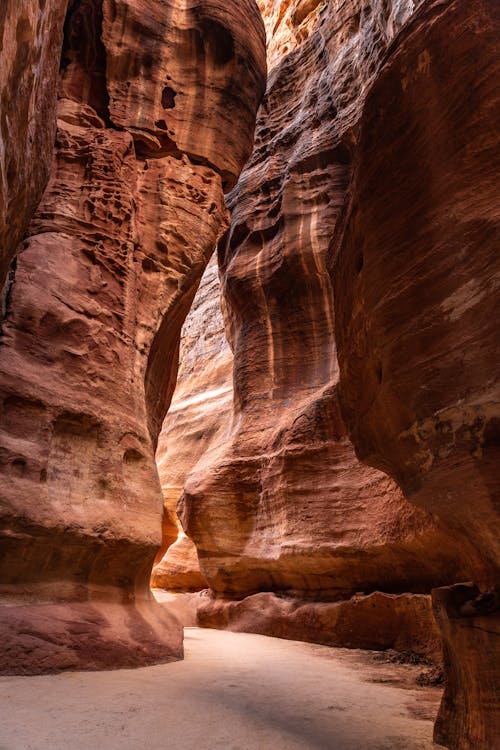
(168, 98)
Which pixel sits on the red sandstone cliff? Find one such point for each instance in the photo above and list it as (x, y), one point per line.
(88, 354)
(30, 49)
(200, 413)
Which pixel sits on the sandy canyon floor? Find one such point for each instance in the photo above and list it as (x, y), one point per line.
(233, 691)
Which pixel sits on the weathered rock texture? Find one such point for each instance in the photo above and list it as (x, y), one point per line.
(200, 413)
(416, 278)
(90, 336)
(282, 502)
(469, 715)
(378, 621)
(31, 33)
(391, 105)
(416, 286)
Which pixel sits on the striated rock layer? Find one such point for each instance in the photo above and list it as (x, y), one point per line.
(403, 622)
(282, 502)
(31, 33)
(200, 411)
(416, 280)
(90, 335)
(393, 106)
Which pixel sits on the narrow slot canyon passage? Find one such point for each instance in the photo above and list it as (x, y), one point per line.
(232, 690)
(249, 374)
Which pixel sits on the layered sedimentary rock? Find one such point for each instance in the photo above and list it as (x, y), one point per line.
(31, 33)
(90, 336)
(416, 289)
(403, 622)
(200, 413)
(469, 716)
(416, 277)
(282, 502)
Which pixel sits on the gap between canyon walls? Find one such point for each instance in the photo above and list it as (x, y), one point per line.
(295, 535)
(156, 111)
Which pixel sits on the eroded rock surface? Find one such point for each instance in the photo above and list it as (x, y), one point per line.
(200, 412)
(92, 322)
(31, 34)
(378, 621)
(416, 287)
(282, 502)
(416, 328)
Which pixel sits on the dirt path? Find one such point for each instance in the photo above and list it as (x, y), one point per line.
(234, 691)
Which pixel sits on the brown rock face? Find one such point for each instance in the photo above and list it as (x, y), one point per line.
(416, 289)
(92, 323)
(379, 621)
(200, 413)
(31, 35)
(282, 502)
(416, 329)
(469, 716)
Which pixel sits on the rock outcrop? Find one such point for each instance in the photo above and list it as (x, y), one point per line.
(200, 411)
(469, 716)
(416, 295)
(282, 502)
(31, 34)
(402, 622)
(88, 352)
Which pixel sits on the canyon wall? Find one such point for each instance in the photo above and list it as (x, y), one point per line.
(145, 147)
(415, 271)
(367, 218)
(352, 458)
(31, 33)
(199, 415)
(282, 503)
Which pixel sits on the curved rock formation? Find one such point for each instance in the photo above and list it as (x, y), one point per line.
(282, 503)
(200, 411)
(90, 336)
(31, 34)
(403, 622)
(416, 328)
(416, 289)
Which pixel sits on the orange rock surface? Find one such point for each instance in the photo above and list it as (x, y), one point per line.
(90, 336)
(416, 288)
(30, 48)
(200, 413)
(281, 502)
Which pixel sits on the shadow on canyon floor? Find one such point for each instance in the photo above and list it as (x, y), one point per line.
(233, 690)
